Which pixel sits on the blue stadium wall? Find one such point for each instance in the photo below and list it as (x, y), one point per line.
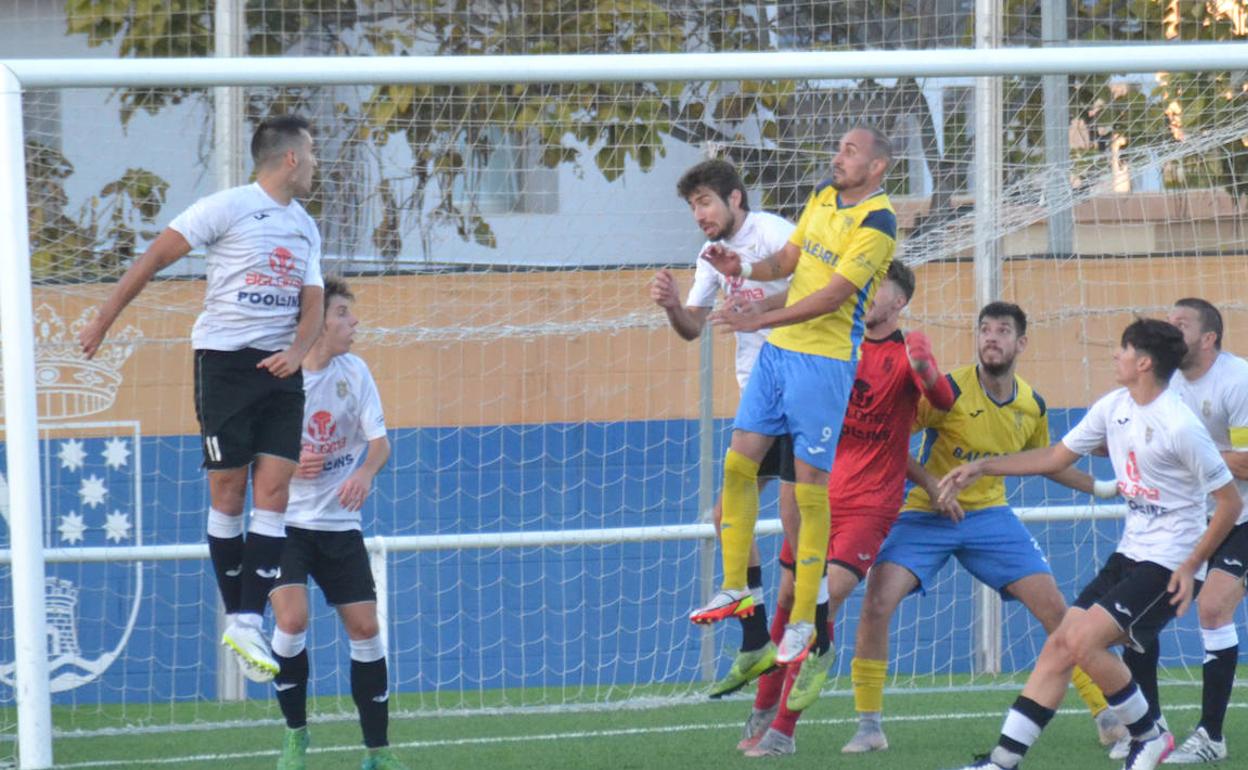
(542, 617)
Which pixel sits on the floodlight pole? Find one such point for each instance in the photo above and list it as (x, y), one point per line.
(987, 191)
(1056, 90)
(17, 330)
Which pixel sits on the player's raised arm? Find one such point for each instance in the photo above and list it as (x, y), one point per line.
(935, 387)
(168, 248)
(774, 268)
(872, 248)
(686, 321)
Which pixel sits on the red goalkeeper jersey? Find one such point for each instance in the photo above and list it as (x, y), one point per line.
(870, 467)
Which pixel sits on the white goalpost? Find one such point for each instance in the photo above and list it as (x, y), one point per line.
(1077, 304)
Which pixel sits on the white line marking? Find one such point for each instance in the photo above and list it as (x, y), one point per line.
(578, 735)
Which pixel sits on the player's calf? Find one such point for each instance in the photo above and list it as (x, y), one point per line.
(370, 690)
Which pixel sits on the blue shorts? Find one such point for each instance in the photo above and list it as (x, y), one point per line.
(800, 394)
(991, 543)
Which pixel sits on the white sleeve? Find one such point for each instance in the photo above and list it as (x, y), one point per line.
(372, 416)
(312, 275)
(705, 285)
(1090, 433)
(1201, 457)
(205, 221)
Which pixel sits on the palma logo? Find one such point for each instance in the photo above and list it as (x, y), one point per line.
(91, 477)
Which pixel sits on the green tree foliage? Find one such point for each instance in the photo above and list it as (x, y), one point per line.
(778, 132)
(101, 238)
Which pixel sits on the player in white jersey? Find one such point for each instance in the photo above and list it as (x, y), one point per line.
(1214, 385)
(344, 446)
(1166, 464)
(718, 202)
(262, 312)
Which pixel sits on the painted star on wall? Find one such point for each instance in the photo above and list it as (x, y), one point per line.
(72, 527)
(72, 454)
(92, 491)
(116, 453)
(117, 527)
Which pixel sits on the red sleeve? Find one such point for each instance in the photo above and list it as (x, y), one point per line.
(940, 395)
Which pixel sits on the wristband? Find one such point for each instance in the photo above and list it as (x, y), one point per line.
(746, 271)
(1105, 488)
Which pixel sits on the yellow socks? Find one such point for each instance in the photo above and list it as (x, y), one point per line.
(812, 549)
(868, 678)
(1091, 694)
(740, 504)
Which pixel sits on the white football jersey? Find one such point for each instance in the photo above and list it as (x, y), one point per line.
(1166, 465)
(259, 255)
(341, 414)
(1220, 400)
(760, 236)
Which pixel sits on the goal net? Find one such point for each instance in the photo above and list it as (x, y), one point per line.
(543, 417)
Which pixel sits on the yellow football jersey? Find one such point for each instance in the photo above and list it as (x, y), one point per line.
(977, 427)
(855, 242)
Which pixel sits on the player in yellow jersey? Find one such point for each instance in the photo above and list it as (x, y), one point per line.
(995, 412)
(838, 255)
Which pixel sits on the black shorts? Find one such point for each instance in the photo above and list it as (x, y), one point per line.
(1232, 555)
(778, 462)
(337, 561)
(244, 411)
(1135, 596)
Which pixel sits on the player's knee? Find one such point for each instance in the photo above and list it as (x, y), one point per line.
(1056, 654)
(228, 491)
(876, 609)
(1080, 642)
(362, 627)
(271, 496)
(291, 620)
(1215, 614)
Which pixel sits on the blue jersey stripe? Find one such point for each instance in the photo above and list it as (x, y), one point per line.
(857, 328)
(925, 448)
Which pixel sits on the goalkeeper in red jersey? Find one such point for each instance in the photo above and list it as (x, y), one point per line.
(864, 494)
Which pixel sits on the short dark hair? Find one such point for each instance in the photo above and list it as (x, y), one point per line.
(1210, 317)
(1160, 341)
(881, 145)
(717, 175)
(275, 136)
(336, 287)
(903, 276)
(1005, 310)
